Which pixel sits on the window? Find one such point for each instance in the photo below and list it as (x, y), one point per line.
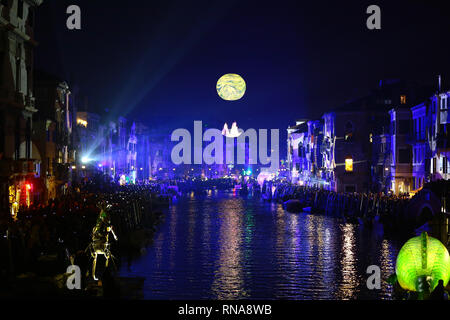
(20, 9)
(402, 99)
(422, 127)
(444, 165)
(417, 130)
(404, 155)
(349, 164)
(444, 103)
(18, 68)
(30, 17)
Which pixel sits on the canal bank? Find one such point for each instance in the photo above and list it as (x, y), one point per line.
(428, 210)
(223, 246)
(34, 263)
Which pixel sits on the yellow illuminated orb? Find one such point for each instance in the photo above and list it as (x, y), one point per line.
(231, 87)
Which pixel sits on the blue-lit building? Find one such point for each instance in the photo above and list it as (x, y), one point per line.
(431, 139)
(366, 144)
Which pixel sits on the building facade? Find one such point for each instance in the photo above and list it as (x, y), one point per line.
(19, 159)
(54, 132)
(368, 144)
(420, 147)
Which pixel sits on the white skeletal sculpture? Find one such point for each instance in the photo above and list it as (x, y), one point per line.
(100, 241)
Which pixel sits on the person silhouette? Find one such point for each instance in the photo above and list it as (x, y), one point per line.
(438, 292)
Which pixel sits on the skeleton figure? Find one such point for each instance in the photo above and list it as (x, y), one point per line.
(100, 237)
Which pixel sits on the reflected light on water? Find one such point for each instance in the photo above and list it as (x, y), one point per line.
(348, 263)
(227, 247)
(228, 281)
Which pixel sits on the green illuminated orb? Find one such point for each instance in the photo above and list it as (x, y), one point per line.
(231, 87)
(422, 256)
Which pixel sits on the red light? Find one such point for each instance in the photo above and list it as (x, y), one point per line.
(28, 186)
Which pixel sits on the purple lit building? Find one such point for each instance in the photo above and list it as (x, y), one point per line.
(401, 154)
(420, 147)
(364, 145)
(53, 133)
(297, 145)
(431, 140)
(439, 137)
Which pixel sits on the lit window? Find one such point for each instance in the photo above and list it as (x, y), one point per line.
(444, 103)
(349, 164)
(82, 123)
(403, 99)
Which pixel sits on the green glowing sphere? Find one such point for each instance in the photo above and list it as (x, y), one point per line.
(422, 256)
(231, 87)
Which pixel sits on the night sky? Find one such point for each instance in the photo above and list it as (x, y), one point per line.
(159, 61)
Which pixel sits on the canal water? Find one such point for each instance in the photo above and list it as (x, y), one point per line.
(223, 246)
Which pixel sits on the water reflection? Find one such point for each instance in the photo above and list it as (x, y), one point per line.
(222, 246)
(348, 263)
(228, 280)
(173, 237)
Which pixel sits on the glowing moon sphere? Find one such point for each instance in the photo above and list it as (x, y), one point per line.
(422, 256)
(231, 87)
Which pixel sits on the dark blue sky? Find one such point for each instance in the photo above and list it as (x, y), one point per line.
(159, 61)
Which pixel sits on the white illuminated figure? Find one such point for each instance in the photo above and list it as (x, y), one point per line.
(225, 130)
(233, 133)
